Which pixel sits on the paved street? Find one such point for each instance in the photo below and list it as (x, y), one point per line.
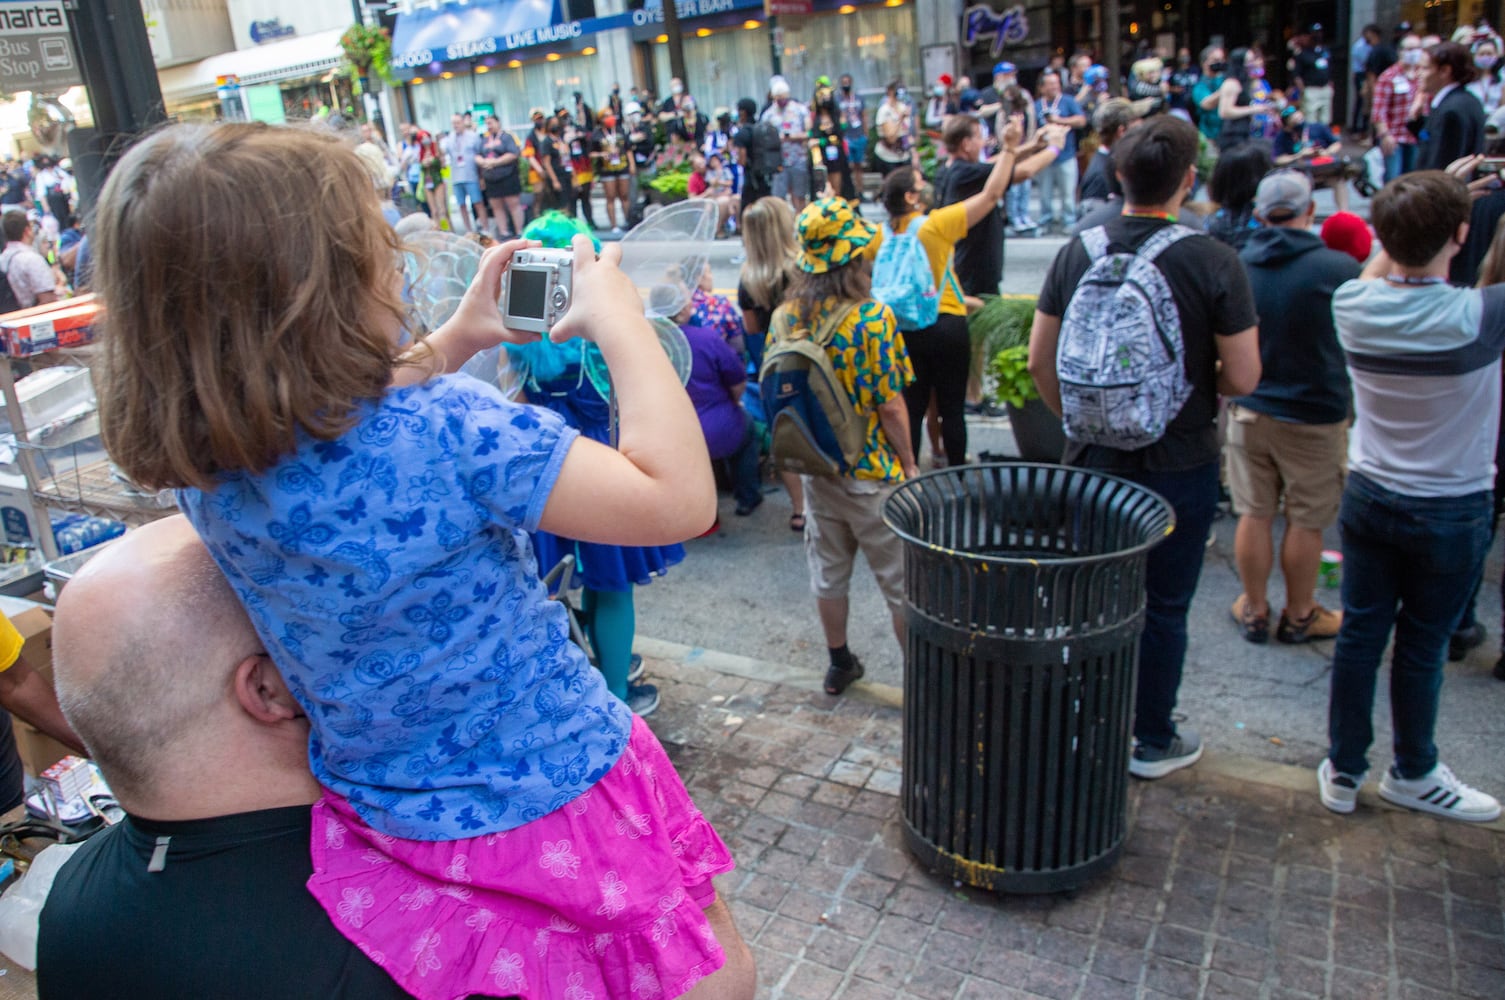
(1235, 882)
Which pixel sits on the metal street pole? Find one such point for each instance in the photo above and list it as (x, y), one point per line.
(1112, 44)
(115, 60)
(676, 43)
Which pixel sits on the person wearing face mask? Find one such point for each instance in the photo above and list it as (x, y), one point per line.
(674, 104)
(1206, 91)
(1394, 91)
(853, 114)
(1183, 79)
(1287, 438)
(941, 103)
(1238, 103)
(942, 352)
(1450, 124)
(895, 144)
(1486, 86)
(1312, 148)
(792, 119)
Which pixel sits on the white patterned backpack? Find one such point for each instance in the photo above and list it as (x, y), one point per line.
(1120, 359)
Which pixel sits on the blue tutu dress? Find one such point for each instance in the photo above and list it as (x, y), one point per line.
(553, 377)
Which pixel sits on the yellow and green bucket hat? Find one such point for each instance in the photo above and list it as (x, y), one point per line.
(831, 234)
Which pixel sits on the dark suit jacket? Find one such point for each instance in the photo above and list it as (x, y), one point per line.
(1454, 128)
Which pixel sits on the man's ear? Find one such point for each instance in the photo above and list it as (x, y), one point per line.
(1461, 236)
(261, 691)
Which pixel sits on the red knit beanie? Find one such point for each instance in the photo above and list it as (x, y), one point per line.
(1347, 232)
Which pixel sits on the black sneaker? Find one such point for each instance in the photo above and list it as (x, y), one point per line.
(1150, 763)
(634, 669)
(642, 699)
(1465, 639)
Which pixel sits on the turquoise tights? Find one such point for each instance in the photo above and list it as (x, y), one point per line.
(612, 622)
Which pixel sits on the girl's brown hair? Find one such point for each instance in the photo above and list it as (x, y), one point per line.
(250, 293)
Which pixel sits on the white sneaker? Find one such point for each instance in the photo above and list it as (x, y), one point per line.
(1339, 791)
(1440, 793)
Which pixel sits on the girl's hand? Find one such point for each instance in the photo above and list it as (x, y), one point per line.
(477, 322)
(602, 296)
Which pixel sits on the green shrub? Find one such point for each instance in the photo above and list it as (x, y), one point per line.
(1009, 375)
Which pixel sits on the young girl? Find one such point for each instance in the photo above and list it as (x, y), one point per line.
(494, 821)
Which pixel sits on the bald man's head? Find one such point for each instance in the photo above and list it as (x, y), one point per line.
(147, 638)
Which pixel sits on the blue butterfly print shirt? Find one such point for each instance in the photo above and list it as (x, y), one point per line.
(390, 575)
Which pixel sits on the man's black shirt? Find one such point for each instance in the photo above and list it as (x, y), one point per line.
(228, 917)
(979, 255)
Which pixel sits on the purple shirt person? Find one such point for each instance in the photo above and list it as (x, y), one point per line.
(718, 376)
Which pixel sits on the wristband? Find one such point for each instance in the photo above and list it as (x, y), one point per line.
(1055, 149)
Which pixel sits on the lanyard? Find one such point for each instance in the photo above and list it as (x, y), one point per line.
(1168, 217)
(1406, 279)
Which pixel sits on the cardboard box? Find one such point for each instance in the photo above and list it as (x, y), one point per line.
(38, 750)
(69, 323)
(35, 626)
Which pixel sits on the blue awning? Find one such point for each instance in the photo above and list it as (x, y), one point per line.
(486, 27)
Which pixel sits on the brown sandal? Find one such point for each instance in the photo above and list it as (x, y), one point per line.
(797, 522)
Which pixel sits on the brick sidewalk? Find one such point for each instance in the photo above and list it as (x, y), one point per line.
(1230, 886)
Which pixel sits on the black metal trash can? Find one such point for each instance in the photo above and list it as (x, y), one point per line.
(1025, 601)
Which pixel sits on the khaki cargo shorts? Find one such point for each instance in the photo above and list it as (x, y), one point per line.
(843, 517)
(1269, 458)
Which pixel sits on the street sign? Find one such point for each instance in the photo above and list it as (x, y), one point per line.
(36, 51)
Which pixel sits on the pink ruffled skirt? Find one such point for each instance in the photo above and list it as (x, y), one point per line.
(601, 899)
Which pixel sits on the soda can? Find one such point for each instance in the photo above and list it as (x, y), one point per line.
(1330, 573)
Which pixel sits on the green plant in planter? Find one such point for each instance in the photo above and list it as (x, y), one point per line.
(1009, 371)
(674, 181)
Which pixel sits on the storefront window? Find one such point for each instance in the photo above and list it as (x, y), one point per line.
(513, 91)
(873, 44)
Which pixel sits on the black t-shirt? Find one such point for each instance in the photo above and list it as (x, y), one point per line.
(228, 917)
(644, 148)
(546, 149)
(1213, 298)
(1381, 58)
(1100, 181)
(1314, 66)
(498, 145)
(979, 254)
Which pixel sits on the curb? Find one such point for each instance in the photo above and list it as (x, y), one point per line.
(1235, 766)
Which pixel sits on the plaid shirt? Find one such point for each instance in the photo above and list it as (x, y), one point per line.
(1392, 109)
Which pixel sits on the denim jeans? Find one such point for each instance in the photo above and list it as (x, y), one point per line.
(1016, 202)
(1058, 180)
(1400, 161)
(1409, 564)
(747, 487)
(1171, 574)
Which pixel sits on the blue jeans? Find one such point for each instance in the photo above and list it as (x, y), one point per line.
(1016, 202)
(1171, 574)
(1409, 564)
(1058, 180)
(1400, 162)
(747, 487)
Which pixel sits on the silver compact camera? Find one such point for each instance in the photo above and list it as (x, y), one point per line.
(536, 289)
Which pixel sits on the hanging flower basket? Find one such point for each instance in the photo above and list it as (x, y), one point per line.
(368, 49)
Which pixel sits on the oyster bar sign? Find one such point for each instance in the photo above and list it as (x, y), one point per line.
(36, 51)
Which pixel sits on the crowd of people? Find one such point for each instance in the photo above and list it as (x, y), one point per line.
(473, 804)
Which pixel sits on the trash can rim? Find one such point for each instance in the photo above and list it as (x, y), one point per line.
(888, 518)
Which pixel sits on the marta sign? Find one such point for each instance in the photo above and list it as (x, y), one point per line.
(36, 52)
